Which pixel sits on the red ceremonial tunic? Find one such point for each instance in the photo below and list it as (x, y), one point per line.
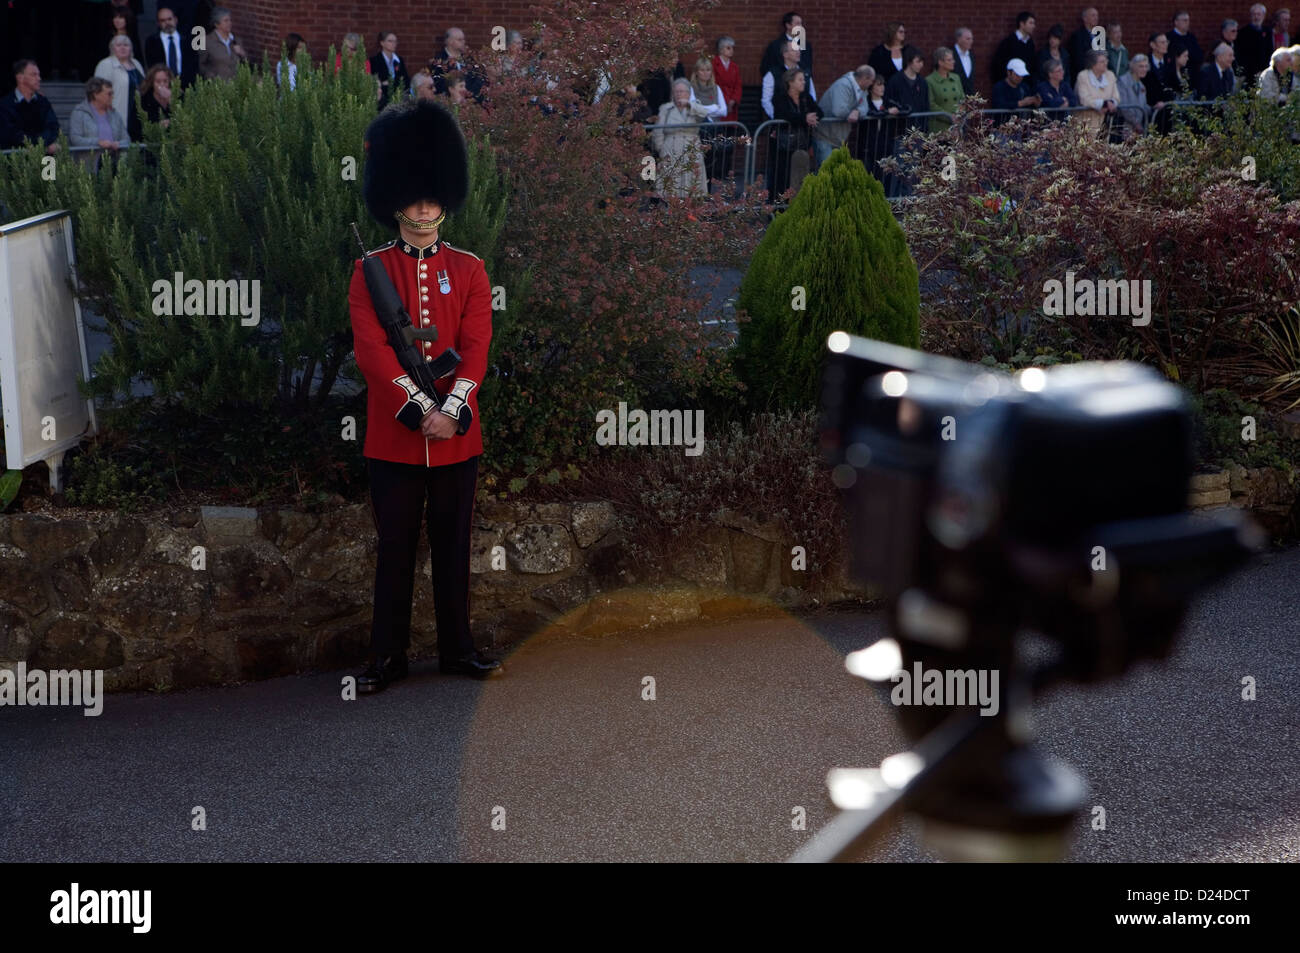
(463, 317)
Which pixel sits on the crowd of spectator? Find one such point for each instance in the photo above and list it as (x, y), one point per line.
(107, 121)
(1089, 76)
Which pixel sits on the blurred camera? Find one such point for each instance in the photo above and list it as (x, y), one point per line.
(985, 506)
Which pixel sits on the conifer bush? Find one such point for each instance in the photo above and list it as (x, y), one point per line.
(248, 184)
(836, 260)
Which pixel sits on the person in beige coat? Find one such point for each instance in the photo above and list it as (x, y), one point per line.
(1098, 90)
(222, 54)
(680, 171)
(120, 67)
(1275, 82)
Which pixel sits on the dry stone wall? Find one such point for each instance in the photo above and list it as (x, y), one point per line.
(216, 595)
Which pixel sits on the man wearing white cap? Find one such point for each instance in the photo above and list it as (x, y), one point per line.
(1011, 93)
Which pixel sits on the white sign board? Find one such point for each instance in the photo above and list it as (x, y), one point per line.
(42, 344)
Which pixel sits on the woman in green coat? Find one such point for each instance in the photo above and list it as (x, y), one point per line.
(945, 88)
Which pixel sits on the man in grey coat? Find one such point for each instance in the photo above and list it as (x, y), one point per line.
(1133, 105)
(843, 105)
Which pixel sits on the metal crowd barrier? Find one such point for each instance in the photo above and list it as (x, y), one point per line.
(877, 128)
(857, 132)
(759, 139)
(131, 145)
(1047, 113)
(1144, 114)
(990, 111)
(1203, 103)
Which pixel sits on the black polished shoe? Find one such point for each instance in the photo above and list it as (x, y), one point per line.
(475, 665)
(377, 676)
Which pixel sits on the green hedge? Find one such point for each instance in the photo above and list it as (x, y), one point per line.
(840, 244)
(246, 183)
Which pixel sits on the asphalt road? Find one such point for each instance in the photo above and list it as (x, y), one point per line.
(747, 717)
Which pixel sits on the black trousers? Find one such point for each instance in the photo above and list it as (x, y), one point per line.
(398, 495)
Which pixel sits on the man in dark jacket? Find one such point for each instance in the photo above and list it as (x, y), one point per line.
(773, 55)
(1018, 46)
(1013, 92)
(1159, 82)
(1158, 52)
(168, 47)
(908, 90)
(1080, 44)
(1217, 79)
(26, 115)
(1254, 45)
(451, 59)
(1181, 33)
(963, 40)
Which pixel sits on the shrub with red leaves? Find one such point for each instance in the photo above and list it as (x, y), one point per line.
(999, 212)
(611, 311)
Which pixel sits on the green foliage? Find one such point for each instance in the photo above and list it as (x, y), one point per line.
(248, 184)
(97, 479)
(1248, 138)
(477, 226)
(840, 243)
(244, 456)
(10, 483)
(1042, 357)
(1279, 359)
(1218, 416)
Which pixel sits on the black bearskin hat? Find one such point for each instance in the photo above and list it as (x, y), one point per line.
(414, 150)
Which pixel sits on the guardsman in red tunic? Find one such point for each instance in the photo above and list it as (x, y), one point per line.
(418, 451)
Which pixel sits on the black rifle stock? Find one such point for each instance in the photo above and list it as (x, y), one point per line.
(401, 332)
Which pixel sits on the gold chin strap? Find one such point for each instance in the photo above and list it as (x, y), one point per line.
(418, 227)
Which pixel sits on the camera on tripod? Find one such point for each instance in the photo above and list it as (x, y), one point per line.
(984, 506)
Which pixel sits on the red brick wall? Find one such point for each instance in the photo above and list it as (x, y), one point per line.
(840, 32)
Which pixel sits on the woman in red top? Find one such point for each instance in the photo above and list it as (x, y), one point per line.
(351, 44)
(727, 75)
